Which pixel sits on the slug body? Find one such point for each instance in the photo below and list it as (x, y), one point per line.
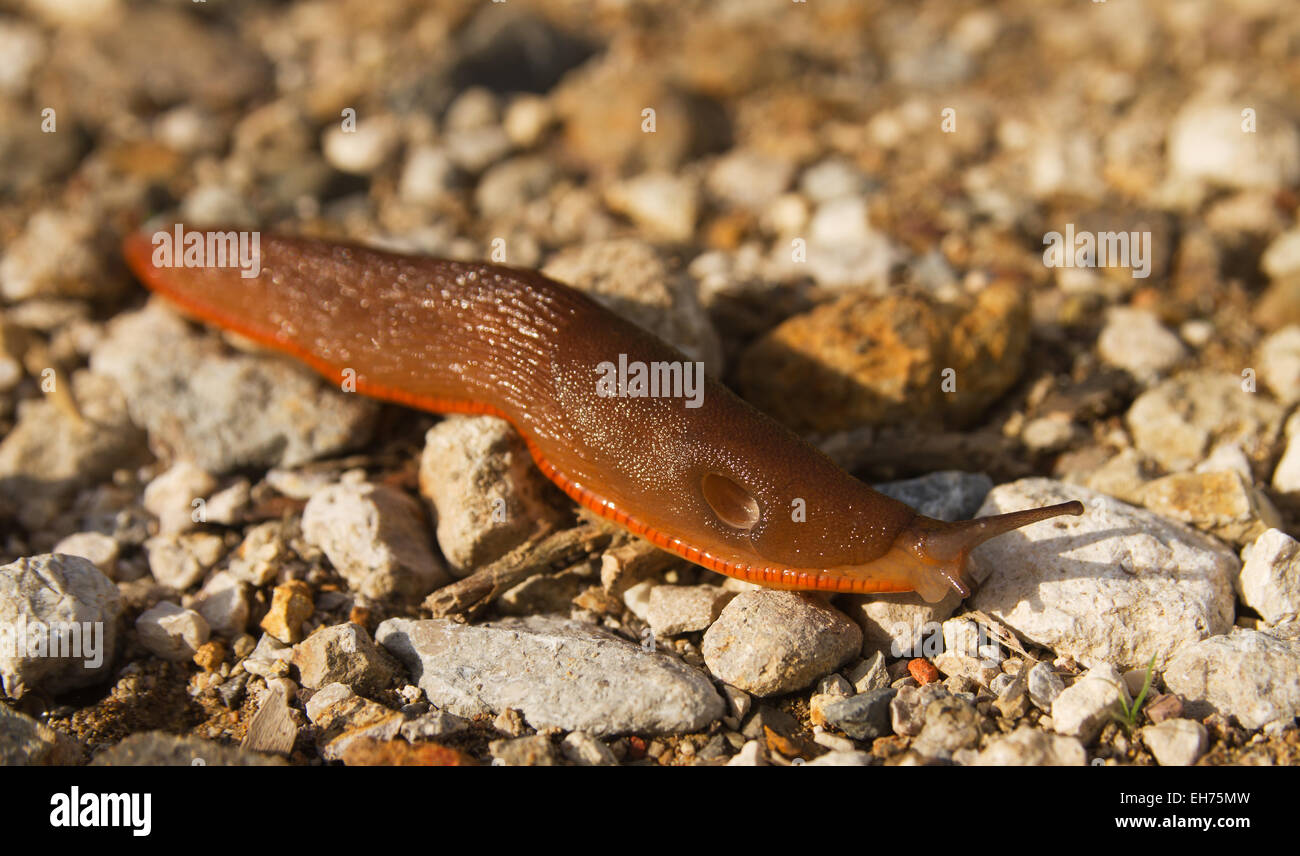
(721, 484)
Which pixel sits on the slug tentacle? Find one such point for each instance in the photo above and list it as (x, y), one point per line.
(940, 549)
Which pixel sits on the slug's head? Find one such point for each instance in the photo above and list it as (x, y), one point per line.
(932, 554)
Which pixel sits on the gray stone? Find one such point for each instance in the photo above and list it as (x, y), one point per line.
(343, 654)
(951, 724)
(870, 674)
(684, 609)
(46, 593)
(557, 673)
(1247, 674)
(946, 495)
(157, 749)
(1116, 585)
(376, 537)
(434, 725)
(49, 453)
(24, 742)
(532, 751)
(862, 717)
(773, 642)
(1045, 686)
(224, 411)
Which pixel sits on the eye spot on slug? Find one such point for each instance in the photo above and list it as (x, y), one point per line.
(731, 502)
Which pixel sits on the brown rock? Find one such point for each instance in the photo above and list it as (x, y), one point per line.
(291, 605)
(1222, 503)
(864, 360)
(211, 655)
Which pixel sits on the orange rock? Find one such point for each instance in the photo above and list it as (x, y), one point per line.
(923, 670)
(368, 752)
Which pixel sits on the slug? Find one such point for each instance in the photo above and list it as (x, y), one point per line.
(719, 484)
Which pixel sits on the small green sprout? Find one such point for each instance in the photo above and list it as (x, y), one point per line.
(1130, 712)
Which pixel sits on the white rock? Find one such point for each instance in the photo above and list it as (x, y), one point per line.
(56, 592)
(663, 204)
(224, 603)
(171, 632)
(171, 496)
(1135, 341)
(898, 623)
(842, 758)
(773, 642)
(1269, 582)
(1208, 143)
(1176, 742)
(1179, 420)
(427, 174)
(749, 179)
(637, 599)
(489, 497)
(1029, 747)
(180, 560)
(1082, 709)
(99, 549)
(376, 537)
(842, 250)
(831, 178)
(683, 609)
(1247, 674)
(586, 751)
(961, 636)
(752, 754)
(363, 150)
(1116, 585)
(1286, 478)
(1282, 256)
(1279, 363)
(527, 119)
(1226, 458)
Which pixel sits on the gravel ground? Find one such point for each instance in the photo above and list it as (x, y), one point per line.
(895, 228)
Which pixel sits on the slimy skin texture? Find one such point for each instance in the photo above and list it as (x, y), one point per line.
(718, 485)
